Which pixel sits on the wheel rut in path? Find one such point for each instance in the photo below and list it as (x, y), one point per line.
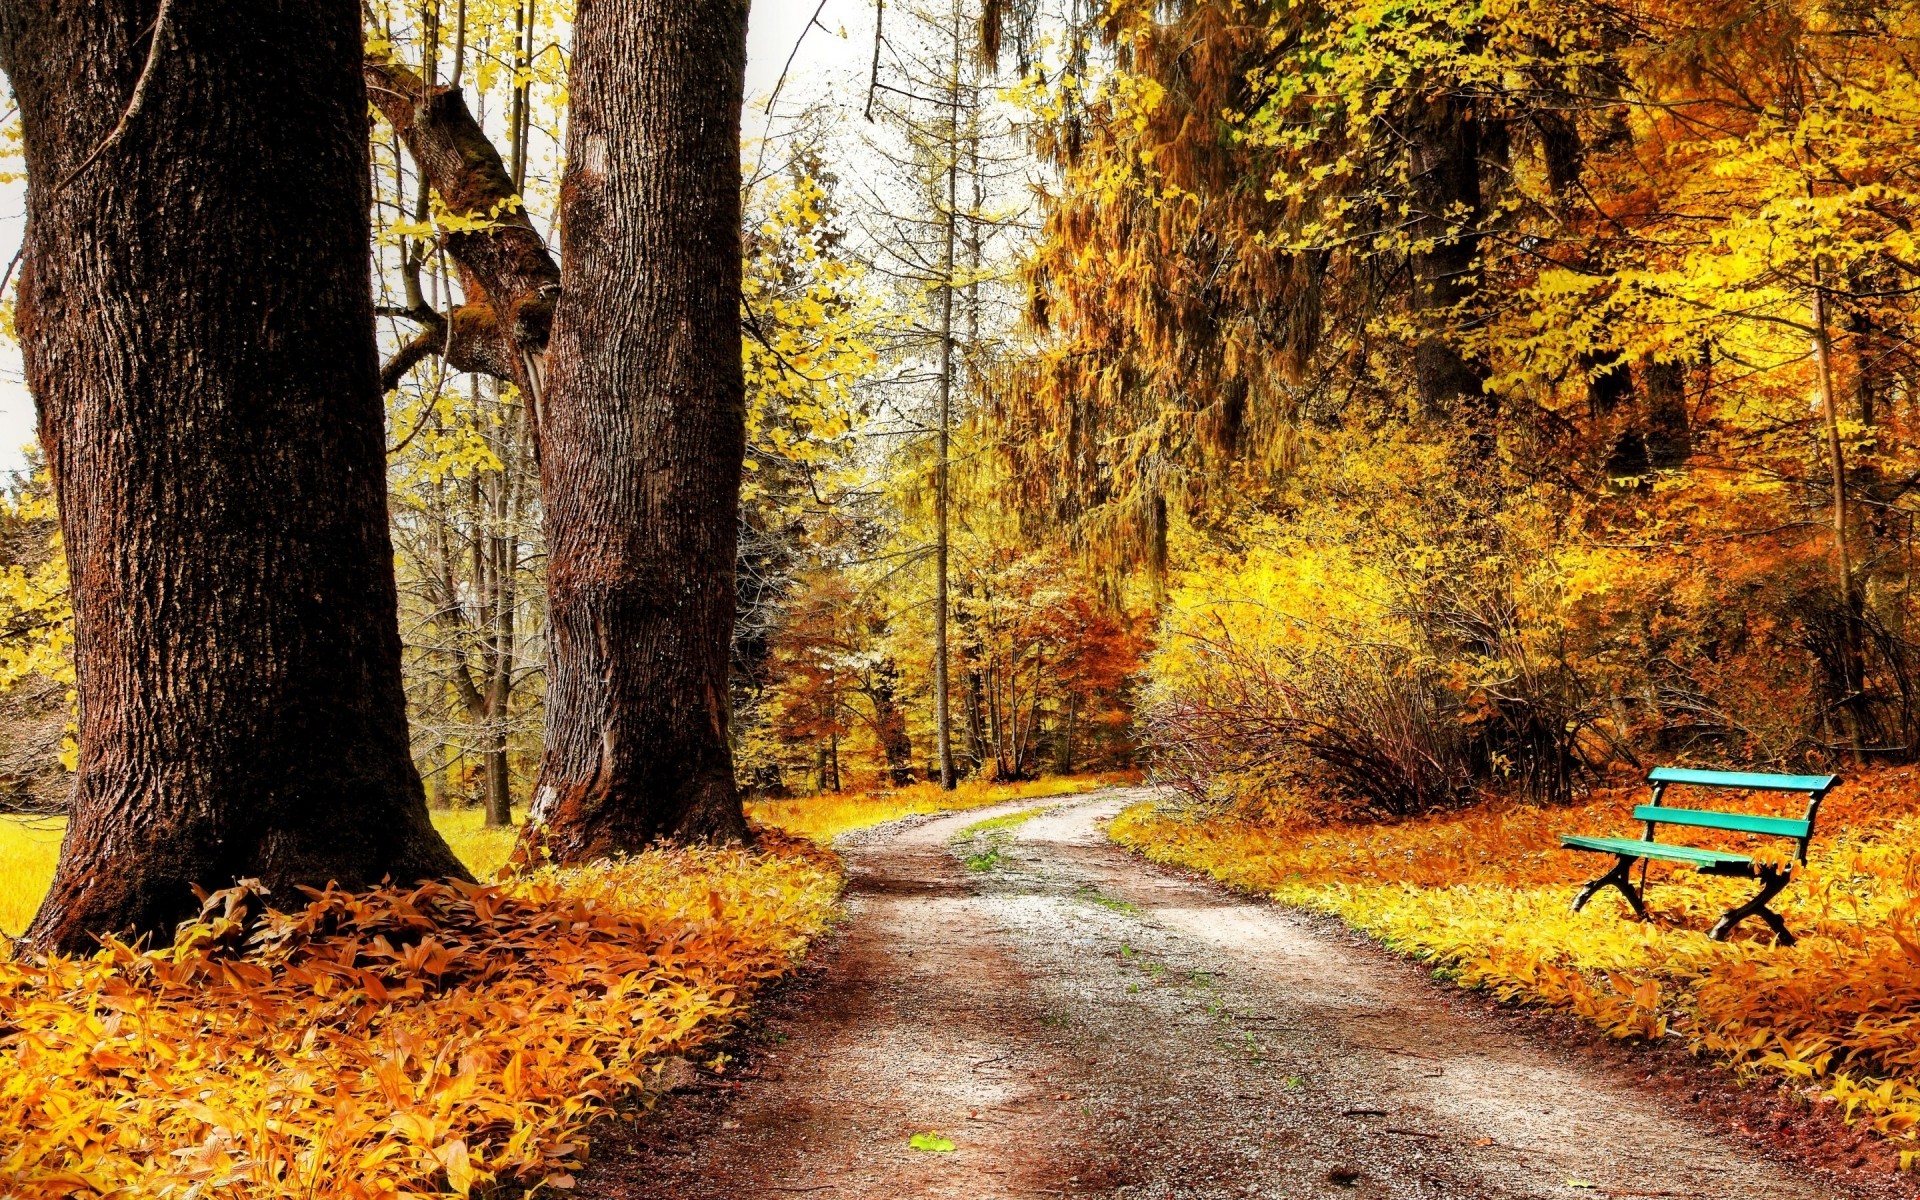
(1078, 1023)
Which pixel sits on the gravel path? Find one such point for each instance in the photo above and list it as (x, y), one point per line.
(1077, 1023)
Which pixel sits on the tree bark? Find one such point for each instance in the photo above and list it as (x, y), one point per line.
(1448, 207)
(890, 721)
(644, 434)
(198, 335)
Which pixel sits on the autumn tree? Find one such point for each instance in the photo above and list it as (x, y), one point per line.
(642, 433)
(209, 402)
(937, 221)
(1619, 288)
(627, 352)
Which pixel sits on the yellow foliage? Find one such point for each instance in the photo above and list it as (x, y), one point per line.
(1486, 894)
(396, 1043)
(30, 846)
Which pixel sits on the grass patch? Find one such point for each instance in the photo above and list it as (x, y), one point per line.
(1483, 896)
(826, 817)
(29, 848)
(1009, 821)
(484, 850)
(996, 834)
(1108, 902)
(986, 860)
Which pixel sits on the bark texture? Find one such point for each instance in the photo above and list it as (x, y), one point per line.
(198, 334)
(644, 433)
(1445, 141)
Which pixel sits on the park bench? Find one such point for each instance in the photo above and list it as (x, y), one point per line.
(1710, 862)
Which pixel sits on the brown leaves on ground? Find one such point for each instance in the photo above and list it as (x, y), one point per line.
(392, 1043)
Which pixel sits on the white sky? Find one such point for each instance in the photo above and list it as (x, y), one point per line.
(831, 62)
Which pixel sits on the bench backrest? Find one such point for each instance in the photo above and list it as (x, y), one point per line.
(1801, 831)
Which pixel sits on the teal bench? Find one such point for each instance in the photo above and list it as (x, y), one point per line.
(1710, 862)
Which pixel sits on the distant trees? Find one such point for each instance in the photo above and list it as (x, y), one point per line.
(1619, 288)
(199, 338)
(466, 531)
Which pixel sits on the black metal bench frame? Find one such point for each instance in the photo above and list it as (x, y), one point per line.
(1773, 879)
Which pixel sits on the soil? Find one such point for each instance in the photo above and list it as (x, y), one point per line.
(1076, 1022)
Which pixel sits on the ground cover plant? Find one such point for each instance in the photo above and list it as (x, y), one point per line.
(1484, 894)
(431, 1040)
(29, 846)
(826, 817)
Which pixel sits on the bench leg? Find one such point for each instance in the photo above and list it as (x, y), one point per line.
(1771, 882)
(1620, 877)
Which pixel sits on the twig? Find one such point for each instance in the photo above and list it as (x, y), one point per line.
(12, 267)
(873, 82)
(134, 104)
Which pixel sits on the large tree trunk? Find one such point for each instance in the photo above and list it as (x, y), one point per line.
(643, 434)
(198, 334)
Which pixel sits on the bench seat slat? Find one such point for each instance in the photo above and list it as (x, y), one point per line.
(1752, 781)
(1702, 818)
(1636, 848)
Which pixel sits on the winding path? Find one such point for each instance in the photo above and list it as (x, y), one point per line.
(1078, 1023)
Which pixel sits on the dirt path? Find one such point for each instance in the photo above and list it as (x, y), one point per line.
(1079, 1024)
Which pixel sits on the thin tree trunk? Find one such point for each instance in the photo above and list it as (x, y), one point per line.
(209, 401)
(1852, 667)
(942, 471)
(644, 434)
(1066, 744)
(1445, 186)
(505, 572)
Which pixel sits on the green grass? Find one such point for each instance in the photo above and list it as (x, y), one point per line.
(986, 861)
(994, 832)
(1009, 821)
(29, 847)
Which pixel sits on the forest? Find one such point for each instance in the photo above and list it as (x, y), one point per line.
(538, 505)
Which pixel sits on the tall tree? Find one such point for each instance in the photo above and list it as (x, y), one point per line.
(198, 335)
(643, 432)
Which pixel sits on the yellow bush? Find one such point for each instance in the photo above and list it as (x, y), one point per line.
(1486, 894)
